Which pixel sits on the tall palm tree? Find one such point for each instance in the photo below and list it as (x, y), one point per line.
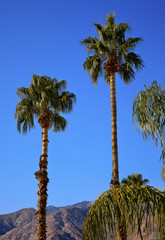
(149, 115)
(135, 180)
(112, 53)
(44, 99)
(115, 212)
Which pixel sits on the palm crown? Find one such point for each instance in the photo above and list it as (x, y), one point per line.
(112, 49)
(134, 180)
(43, 94)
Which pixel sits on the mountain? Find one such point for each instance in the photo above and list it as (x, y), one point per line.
(63, 223)
(83, 204)
(16, 220)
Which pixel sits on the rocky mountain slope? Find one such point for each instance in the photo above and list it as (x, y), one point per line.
(63, 223)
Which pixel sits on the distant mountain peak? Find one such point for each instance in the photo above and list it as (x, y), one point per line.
(82, 204)
(62, 223)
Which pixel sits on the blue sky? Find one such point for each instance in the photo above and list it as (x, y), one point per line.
(42, 37)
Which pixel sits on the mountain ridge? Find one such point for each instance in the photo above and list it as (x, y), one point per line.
(62, 223)
(82, 204)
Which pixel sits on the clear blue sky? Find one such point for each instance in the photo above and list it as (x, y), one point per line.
(42, 37)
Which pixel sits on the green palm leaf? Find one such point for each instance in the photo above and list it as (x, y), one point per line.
(112, 40)
(43, 93)
(149, 115)
(133, 205)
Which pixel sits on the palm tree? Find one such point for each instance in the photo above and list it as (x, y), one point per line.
(135, 180)
(112, 53)
(149, 115)
(115, 212)
(127, 205)
(44, 99)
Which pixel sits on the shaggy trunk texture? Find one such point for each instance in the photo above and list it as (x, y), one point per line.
(42, 176)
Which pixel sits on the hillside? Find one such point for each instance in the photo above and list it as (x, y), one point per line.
(63, 223)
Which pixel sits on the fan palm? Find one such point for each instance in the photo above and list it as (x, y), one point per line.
(149, 115)
(119, 209)
(112, 53)
(134, 180)
(44, 99)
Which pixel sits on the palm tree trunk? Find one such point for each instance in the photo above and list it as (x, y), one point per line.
(115, 170)
(41, 175)
(122, 233)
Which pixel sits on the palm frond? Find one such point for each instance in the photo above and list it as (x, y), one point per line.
(96, 70)
(132, 205)
(90, 44)
(121, 29)
(134, 179)
(112, 42)
(44, 94)
(134, 60)
(149, 112)
(25, 120)
(133, 42)
(106, 78)
(104, 35)
(67, 100)
(111, 19)
(93, 66)
(127, 45)
(126, 72)
(119, 35)
(58, 123)
(61, 86)
(22, 92)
